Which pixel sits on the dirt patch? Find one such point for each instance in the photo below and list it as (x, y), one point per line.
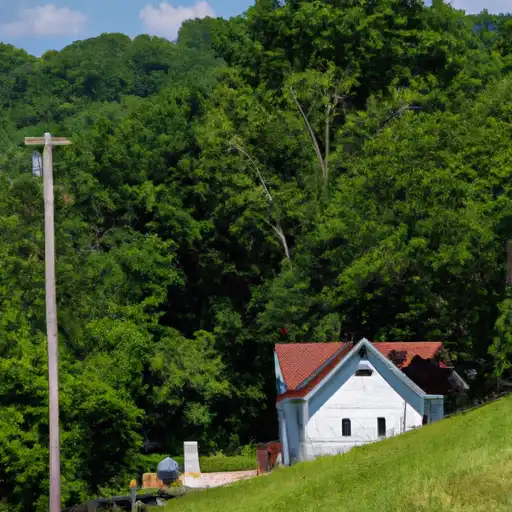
(218, 479)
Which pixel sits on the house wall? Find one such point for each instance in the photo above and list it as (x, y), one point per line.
(360, 399)
(434, 409)
(283, 434)
(395, 379)
(290, 422)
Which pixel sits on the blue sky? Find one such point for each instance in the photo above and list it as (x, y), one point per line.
(40, 25)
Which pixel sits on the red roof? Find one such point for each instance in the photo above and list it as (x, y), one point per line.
(411, 349)
(300, 361)
(292, 365)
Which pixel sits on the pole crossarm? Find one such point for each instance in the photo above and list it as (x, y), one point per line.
(41, 141)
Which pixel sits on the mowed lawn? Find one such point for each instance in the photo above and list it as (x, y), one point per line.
(459, 464)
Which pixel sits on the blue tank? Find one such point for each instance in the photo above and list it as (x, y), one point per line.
(168, 471)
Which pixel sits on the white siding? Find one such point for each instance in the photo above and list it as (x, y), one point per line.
(362, 400)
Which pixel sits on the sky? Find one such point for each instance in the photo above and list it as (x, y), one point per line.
(41, 25)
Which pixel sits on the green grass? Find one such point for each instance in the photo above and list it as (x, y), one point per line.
(208, 464)
(220, 463)
(461, 464)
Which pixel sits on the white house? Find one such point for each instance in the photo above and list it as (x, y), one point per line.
(334, 396)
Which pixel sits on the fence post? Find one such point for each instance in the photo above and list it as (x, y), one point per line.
(133, 494)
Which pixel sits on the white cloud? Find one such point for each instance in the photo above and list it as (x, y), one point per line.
(165, 20)
(45, 20)
(476, 6)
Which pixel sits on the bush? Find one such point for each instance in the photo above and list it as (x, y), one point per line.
(149, 463)
(220, 463)
(208, 464)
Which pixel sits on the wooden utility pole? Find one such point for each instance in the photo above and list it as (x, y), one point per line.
(51, 311)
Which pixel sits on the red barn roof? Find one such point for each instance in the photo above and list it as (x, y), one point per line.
(411, 349)
(302, 361)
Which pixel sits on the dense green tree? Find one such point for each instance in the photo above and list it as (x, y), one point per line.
(310, 170)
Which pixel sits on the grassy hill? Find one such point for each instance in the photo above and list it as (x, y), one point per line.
(459, 464)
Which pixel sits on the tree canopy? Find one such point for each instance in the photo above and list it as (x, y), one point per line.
(308, 171)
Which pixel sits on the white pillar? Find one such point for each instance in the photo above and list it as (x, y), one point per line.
(192, 476)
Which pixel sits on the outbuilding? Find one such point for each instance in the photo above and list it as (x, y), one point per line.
(334, 396)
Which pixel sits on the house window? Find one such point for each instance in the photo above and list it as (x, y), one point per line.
(364, 373)
(346, 427)
(381, 427)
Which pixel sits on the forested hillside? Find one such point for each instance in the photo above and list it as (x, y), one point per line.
(320, 170)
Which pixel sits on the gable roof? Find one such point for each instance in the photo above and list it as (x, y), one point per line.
(291, 377)
(298, 361)
(403, 385)
(304, 365)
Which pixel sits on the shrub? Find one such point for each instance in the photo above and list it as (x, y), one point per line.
(220, 463)
(209, 464)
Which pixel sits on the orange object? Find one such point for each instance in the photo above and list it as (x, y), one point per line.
(133, 484)
(151, 481)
